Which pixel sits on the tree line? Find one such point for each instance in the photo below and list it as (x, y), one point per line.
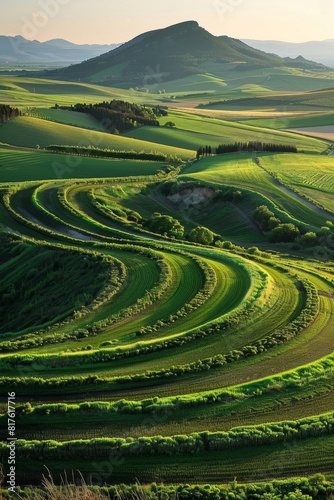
(246, 147)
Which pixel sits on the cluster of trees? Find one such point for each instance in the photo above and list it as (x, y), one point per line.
(175, 445)
(8, 113)
(165, 225)
(285, 232)
(278, 232)
(119, 116)
(203, 151)
(254, 146)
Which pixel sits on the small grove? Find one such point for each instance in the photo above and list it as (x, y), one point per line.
(118, 116)
(288, 232)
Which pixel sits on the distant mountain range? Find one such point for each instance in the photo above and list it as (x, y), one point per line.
(322, 52)
(171, 53)
(16, 49)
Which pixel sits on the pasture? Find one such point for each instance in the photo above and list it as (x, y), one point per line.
(149, 311)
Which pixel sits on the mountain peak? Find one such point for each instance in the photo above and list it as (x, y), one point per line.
(164, 54)
(185, 24)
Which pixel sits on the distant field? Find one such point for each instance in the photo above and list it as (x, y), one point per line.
(192, 130)
(326, 133)
(321, 100)
(317, 119)
(246, 116)
(27, 91)
(271, 79)
(30, 132)
(230, 83)
(193, 83)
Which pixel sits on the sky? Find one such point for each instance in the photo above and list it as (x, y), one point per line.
(114, 21)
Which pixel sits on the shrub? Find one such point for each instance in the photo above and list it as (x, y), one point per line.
(284, 233)
(202, 235)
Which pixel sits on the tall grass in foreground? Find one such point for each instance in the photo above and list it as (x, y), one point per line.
(76, 490)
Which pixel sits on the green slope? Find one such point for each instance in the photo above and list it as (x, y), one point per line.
(194, 131)
(29, 132)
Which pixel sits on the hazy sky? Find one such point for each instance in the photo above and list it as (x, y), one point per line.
(108, 21)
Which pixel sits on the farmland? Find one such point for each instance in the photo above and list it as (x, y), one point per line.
(169, 321)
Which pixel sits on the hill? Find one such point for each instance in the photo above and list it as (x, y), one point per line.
(320, 51)
(168, 54)
(16, 49)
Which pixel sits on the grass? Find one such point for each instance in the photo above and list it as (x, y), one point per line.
(312, 176)
(240, 171)
(82, 120)
(224, 132)
(31, 92)
(284, 100)
(30, 132)
(44, 300)
(304, 120)
(21, 165)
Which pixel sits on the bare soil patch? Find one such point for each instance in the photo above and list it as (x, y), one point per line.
(321, 132)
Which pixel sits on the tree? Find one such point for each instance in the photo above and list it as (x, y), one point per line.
(202, 235)
(284, 233)
(165, 225)
(308, 240)
(170, 124)
(262, 215)
(199, 153)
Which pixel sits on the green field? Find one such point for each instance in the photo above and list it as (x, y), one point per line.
(193, 131)
(31, 132)
(158, 325)
(313, 120)
(22, 165)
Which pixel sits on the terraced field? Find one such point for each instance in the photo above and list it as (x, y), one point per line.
(140, 353)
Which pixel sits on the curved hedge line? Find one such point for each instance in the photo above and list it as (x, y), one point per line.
(179, 444)
(322, 370)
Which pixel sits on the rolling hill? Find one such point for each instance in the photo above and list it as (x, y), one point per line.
(168, 54)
